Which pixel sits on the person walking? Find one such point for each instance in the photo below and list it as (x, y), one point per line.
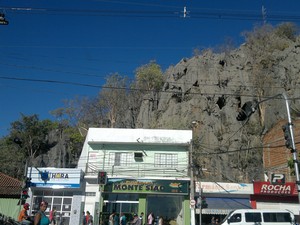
(116, 219)
(160, 221)
(89, 218)
(142, 218)
(123, 219)
(213, 221)
(150, 218)
(83, 218)
(111, 218)
(52, 216)
(136, 220)
(40, 217)
(217, 221)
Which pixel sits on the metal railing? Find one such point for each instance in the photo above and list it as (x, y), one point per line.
(139, 170)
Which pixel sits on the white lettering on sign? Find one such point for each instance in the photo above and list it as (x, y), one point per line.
(278, 179)
(275, 189)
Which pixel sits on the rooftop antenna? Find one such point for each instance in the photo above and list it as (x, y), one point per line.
(185, 12)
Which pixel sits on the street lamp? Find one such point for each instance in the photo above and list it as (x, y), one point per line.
(249, 108)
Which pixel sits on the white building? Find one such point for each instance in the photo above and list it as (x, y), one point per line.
(147, 172)
(63, 189)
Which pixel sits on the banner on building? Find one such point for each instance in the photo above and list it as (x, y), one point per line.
(56, 177)
(146, 186)
(267, 188)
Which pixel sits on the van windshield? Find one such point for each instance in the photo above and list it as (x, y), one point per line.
(228, 215)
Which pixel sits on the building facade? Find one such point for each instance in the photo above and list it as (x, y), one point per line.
(275, 196)
(62, 188)
(275, 153)
(148, 171)
(221, 198)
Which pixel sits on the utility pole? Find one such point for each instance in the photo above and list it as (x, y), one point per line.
(192, 186)
(294, 151)
(200, 205)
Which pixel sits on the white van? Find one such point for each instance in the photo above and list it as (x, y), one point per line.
(259, 217)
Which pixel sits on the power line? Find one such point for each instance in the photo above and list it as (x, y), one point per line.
(196, 13)
(125, 88)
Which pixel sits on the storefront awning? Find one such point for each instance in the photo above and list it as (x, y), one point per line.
(225, 205)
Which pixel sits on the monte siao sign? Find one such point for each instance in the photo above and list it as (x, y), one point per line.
(116, 185)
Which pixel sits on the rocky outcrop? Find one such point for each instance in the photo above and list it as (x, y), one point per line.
(210, 89)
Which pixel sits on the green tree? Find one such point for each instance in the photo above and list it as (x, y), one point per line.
(30, 134)
(12, 160)
(149, 77)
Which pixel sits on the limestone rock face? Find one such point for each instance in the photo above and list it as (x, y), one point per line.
(211, 89)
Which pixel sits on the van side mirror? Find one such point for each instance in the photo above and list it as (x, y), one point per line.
(228, 221)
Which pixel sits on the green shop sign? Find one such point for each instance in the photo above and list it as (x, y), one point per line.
(146, 186)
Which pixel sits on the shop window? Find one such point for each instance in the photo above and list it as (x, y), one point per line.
(169, 209)
(165, 160)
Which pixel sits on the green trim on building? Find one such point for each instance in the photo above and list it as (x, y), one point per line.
(142, 206)
(186, 211)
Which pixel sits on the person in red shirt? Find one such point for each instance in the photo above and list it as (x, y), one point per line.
(23, 215)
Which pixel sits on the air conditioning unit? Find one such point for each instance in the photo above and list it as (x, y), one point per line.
(138, 156)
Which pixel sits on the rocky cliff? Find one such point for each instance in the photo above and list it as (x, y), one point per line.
(211, 88)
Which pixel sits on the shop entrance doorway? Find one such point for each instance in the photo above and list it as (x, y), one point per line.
(169, 208)
(61, 200)
(62, 205)
(119, 206)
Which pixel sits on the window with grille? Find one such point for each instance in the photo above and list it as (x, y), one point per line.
(120, 158)
(165, 160)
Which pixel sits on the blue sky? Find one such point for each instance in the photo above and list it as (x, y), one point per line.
(83, 41)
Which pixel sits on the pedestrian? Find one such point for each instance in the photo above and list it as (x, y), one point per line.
(213, 221)
(139, 221)
(52, 216)
(160, 221)
(141, 218)
(40, 217)
(116, 219)
(83, 218)
(150, 218)
(111, 218)
(217, 221)
(136, 220)
(123, 219)
(23, 215)
(89, 218)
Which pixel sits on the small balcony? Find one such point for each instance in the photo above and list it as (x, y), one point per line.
(139, 170)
